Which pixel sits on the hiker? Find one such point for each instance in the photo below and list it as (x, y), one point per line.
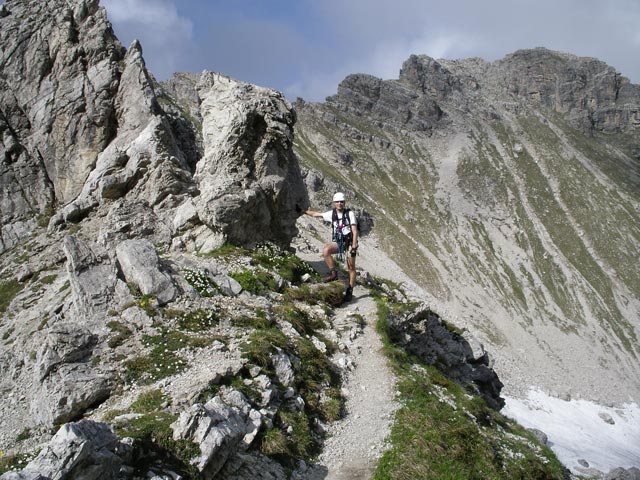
(344, 240)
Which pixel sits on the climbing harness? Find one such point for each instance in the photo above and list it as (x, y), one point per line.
(339, 237)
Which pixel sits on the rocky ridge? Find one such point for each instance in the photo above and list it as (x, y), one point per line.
(147, 287)
(123, 301)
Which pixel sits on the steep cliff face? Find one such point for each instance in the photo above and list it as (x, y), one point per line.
(59, 79)
(82, 128)
(102, 172)
(510, 192)
(588, 92)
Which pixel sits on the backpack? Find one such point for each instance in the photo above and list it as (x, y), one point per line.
(337, 236)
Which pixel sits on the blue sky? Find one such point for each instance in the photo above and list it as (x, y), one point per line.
(306, 47)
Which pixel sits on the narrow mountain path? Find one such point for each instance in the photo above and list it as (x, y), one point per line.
(356, 442)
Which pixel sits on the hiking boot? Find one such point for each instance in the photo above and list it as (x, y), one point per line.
(348, 294)
(333, 275)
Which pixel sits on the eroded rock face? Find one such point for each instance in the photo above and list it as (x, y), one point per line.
(59, 79)
(591, 93)
(67, 393)
(92, 279)
(84, 450)
(249, 178)
(387, 102)
(460, 357)
(220, 427)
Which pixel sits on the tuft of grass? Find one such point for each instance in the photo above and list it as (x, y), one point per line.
(153, 442)
(48, 279)
(331, 408)
(195, 320)
(145, 369)
(10, 463)
(274, 443)
(261, 344)
(316, 373)
(327, 293)
(298, 318)
(258, 321)
(24, 435)
(64, 286)
(300, 442)
(121, 331)
(8, 291)
(258, 282)
(287, 265)
(7, 333)
(225, 251)
(149, 401)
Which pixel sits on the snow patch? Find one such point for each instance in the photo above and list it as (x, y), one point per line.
(606, 437)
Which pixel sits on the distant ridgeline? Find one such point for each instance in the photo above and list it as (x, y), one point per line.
(510, 191)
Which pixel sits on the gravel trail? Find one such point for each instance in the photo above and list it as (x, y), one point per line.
(356, 442)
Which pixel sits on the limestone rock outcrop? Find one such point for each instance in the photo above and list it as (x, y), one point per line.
(592, 94)
(85, 450)
(140, 266)
(101, 171)
(221, 427)
(461, 357)
(60, 75)
(387, 102)
(249, 174)
(85, 128)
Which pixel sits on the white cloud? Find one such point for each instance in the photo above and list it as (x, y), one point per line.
(165, 35)
(387, 58)
(308, 48)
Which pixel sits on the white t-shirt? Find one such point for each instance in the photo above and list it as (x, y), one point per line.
(346, 229)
